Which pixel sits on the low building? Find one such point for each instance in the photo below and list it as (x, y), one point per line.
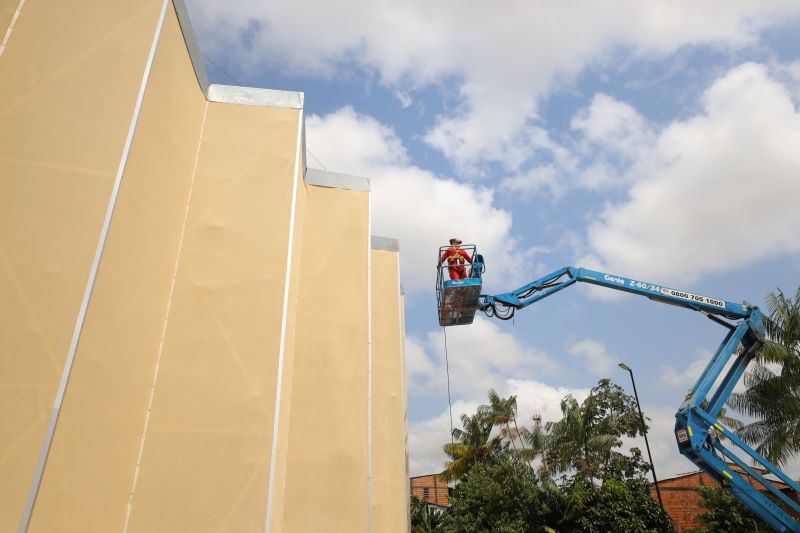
(431, 488)
(682, 501)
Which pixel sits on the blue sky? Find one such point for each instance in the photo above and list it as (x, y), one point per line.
(657, 140)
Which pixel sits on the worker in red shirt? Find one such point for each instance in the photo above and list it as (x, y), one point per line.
(455, 258)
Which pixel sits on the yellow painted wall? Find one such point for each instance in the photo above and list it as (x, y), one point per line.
(104, 410)
(276, 497)
(326, 477)
(70, 76)
(207, 451)
(167, 422)
(389, 510)
(7, 9)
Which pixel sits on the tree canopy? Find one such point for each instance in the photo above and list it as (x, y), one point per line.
(722, 513)
(599, 487)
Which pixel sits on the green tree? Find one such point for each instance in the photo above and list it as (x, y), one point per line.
(584, 441)
(535, 444)
(498, 491)
(723, 513)
(622, 506)
(423, 518)
(612, 407)
(575, 443)
(772, 397)
(474, 444)
(502, 412)
(508, 497)
(505, 496)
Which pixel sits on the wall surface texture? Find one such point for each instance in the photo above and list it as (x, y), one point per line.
(195, 334)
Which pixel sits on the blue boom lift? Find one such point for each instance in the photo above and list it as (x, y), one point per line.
(697, 429)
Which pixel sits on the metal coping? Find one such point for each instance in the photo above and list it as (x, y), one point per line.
(336, 180)
(236, 94)
(230, 94)
(384, 243)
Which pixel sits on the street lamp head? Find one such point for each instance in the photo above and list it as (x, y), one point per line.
(623, 366)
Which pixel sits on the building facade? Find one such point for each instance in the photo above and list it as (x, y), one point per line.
(197, 333)
(431, 488)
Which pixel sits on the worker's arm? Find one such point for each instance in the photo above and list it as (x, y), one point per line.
(447, 253)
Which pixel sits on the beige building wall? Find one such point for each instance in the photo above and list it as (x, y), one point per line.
(216, 351)
(214, 402)
(7, 10)
(285, 375)
(68, 87)
(389, 504)
(101, 421)
(326, 487)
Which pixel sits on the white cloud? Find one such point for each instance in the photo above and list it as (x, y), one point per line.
(548, 177)
(481, 357)
(687, 377)
(661, 435)
(595, 356)
(613, 136)
(539, 178)
(722, 191)
(420, 367)
(404, 98)
(535, 398)
(502, 60)
(610, 122)
(411, 204)
(426, 438)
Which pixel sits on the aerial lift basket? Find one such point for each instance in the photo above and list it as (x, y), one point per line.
(457, 300)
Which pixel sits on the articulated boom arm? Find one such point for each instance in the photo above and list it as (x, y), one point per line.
(697, 430)
(564, 277)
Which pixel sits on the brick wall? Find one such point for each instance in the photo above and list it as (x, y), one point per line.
(432, 488)
(682, 501)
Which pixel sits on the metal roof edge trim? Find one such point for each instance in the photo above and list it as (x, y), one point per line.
(336, 180)
(384, 243)
(229, 94)
(237, 94)
(191, 44)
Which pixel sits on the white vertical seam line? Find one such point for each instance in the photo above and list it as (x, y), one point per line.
(87, 294)
(11, 26)
(288, 426)
(164, 327)
(282, 344)
(403, 400)
(369, 362)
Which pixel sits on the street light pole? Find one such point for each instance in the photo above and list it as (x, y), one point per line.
(623, 366)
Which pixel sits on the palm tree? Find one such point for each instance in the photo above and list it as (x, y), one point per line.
(537, 440)
(423, 518)
(501, 412)
(576, 443)
(474, 444)
(773, 384)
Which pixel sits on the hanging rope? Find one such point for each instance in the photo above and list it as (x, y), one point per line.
(447, 366)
